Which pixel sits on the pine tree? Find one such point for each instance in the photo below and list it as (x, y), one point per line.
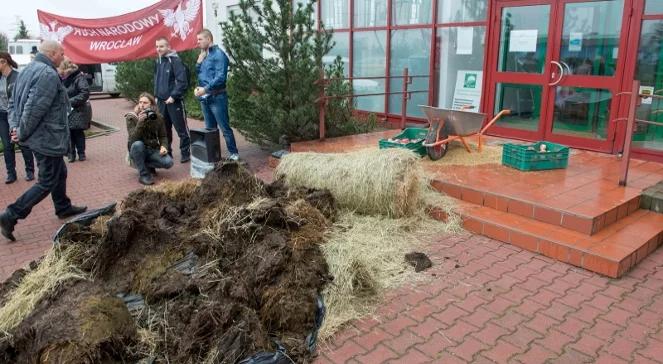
(4, 42)
(276, 58)
(22, 31)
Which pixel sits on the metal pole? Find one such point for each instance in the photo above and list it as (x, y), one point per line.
(405, 97)
(322, 103)
(630, 124)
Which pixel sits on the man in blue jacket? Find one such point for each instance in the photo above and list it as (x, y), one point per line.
(38, 119)
(170, 84)
(212, 69)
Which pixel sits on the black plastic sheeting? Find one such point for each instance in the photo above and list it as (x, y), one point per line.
(84, 219)
(280, 356)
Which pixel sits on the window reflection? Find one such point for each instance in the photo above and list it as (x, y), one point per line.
(456, 60)
(410, 49)
(412, 11)
(524, 39)
(590, 39)
(582, 112)
(456, 11)
(649, 72)
(370, 13)
(335, 13)
(369, 53)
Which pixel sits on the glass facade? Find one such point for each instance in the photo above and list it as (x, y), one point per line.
(370, 13)
(654, 7)
(460, 55)
(649, 72)
(407, 12)
(410, 48)
(461, 11)
(370, 52)
(341, 49)
(335, 14)
(379, 38)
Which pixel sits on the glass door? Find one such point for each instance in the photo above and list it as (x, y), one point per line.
(587, 54)
(523, 70)
(558, 67)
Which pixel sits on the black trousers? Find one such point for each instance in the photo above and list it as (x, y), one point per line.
(174, 115)
(8, 146)
(52, 179)
(77, 143)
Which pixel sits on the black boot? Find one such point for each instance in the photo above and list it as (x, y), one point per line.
(7, 226)
(29, 176)
(11, 178)
(146, 180)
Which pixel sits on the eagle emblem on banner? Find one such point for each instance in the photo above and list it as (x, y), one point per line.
(49, 32)
(179, 18)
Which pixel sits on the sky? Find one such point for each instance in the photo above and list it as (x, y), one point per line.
(27, 11)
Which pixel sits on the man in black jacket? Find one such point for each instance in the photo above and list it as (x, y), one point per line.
(170, 84)
(38, 119)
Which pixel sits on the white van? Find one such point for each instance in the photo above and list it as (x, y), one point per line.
(101, 76)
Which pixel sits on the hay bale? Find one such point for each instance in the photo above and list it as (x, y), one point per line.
(386, 182)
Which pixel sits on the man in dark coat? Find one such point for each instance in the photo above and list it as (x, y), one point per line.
(170, 84)
(38, 119)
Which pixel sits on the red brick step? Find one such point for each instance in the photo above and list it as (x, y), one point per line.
(611, 252)
(587, 218)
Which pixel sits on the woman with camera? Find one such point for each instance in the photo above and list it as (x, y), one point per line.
(80, 117)
(147, 139)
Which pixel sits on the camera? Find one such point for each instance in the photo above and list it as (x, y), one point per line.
(150, 114)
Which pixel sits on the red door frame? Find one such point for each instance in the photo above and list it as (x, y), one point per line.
(638, 11)
(496, 77)
(555, 29)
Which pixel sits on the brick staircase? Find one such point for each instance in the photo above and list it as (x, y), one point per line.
(609, 235)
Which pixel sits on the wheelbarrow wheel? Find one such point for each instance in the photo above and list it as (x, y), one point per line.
(437, 152)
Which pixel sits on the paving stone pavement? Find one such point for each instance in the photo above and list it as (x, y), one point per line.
(488, 302)
(482, 302)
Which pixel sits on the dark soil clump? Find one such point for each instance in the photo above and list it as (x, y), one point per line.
(419, 261)
(213, 274)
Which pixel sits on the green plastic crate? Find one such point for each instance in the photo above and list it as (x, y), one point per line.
(409, 133)
(526, 157)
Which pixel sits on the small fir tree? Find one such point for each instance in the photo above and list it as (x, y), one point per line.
(4, 42)
(22, 31)
(276, 57)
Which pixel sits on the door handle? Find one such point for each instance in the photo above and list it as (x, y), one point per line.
(561, 73)
(566, 65)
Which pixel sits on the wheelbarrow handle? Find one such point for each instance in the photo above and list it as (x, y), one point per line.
(494, 120)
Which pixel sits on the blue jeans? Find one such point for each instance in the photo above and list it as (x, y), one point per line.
(52, 179)
(144, 158)
(215, 110)
(8, 146)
